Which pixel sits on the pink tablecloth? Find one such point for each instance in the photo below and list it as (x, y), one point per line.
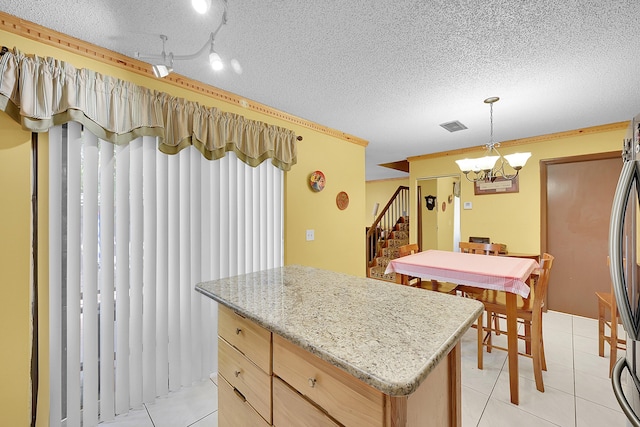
(483, 271)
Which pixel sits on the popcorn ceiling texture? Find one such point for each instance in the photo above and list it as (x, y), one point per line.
(391, 71)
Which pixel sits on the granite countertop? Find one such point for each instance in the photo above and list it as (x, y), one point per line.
(389, 336)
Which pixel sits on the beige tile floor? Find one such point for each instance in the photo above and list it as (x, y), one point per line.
(577, 387)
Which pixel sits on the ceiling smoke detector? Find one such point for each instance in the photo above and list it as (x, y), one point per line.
(453, 126)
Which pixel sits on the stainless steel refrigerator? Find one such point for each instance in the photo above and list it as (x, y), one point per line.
(624, 252)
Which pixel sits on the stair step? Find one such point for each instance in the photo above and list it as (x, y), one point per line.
(378, 273)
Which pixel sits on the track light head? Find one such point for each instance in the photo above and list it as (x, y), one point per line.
(201, 6)
(161, 70)
(215, 61)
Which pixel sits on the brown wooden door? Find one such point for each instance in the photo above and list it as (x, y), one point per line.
(579, 193)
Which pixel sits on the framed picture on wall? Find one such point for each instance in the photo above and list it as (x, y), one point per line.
(498, 185)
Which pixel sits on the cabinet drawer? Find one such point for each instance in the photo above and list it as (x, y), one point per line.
(247, 378)
(347, 399)
(252, 340)
(290, 409)
(233, 410)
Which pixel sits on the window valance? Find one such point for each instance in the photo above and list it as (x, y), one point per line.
(42, 92)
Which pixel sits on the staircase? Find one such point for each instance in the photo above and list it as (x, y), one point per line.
(389, 231)
(388, 250)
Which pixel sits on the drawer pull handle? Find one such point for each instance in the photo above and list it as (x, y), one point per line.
(236, 373)
(312, 382)
(240, 395)
(238, 330)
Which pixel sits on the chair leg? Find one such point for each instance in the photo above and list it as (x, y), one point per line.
(543, 359)
(528, 337)
(613, 344)
(480, 339)
(600, 328)
(496, 323)
(537, 355)
(489, 331)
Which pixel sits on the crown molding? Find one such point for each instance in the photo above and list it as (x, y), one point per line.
(530, 140)
(33, 31)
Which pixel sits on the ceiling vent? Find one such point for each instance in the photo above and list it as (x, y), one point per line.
(453, 126)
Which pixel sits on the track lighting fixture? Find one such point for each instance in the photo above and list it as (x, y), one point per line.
(163, 63)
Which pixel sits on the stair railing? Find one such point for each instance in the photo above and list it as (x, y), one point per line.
(384, 224)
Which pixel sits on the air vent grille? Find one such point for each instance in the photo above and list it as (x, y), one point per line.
(453, 126)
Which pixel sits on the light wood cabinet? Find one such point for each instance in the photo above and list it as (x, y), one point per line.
(347, 399)
(265, 379)
(244, 365)
(290, 409)
(234, 410)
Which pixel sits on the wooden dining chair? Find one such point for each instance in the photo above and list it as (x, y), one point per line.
(433, 285)
(529, 312)
(405, 250)
(480, 248)
(607, 302)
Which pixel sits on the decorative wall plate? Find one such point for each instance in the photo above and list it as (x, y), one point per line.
(342, 200)
(317, 181)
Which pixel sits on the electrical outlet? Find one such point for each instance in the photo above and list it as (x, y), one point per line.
(310, 235)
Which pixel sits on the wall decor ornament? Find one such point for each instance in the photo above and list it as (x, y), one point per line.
(342, 200)
(317, 181)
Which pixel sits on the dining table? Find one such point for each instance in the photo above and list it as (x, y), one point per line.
(508, 274)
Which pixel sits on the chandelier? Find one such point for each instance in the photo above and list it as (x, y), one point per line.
(163, 63)
(484, 168)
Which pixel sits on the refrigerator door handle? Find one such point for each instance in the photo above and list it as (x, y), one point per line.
(628, 175)
(616, 380)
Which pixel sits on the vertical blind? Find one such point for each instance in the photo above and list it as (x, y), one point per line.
(132, 230)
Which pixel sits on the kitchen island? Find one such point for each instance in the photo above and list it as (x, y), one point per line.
(304, 346)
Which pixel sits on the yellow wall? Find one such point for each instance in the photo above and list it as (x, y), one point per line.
(445, 218)
(339, 243)
(15, 261)
(514, 218)
(339, 236)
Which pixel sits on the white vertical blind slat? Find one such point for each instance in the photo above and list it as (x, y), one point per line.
(226, 244)
(162, 277)
(185, 266)
(107, 280)
(240, 218)
(233, 218)
(195, 185)
(89, 279)
(173, 250)
(136, 272)
(55, 275)
(123, 307)
(205, 265)
(255, 219)
(74, 176)
(149, 270)
(263, 242)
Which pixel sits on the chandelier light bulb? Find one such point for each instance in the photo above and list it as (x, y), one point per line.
(201, 6)
(215, 61)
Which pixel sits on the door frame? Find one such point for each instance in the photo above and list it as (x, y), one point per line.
(419, 206)
(544, 164)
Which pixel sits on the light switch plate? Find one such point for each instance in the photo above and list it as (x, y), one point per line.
(310, 235)
(468, 205)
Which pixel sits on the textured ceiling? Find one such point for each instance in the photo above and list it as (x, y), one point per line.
(391, 72)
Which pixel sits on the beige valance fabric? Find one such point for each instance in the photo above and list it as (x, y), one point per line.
(42, 92)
